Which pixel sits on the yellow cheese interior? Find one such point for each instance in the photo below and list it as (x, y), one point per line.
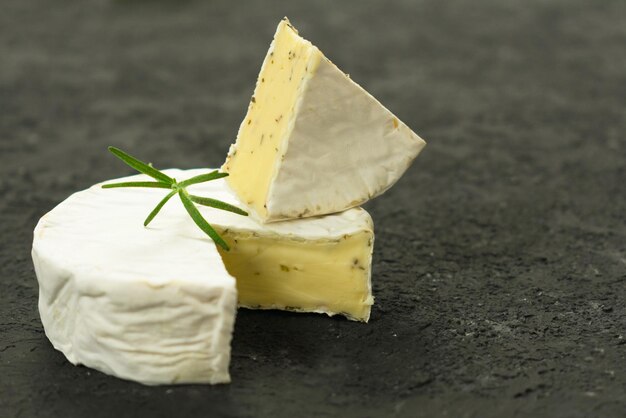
(329, 276)
(259, 142)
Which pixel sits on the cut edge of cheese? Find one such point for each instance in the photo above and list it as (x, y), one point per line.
(270, 116)
(313, 141)
(330, 276)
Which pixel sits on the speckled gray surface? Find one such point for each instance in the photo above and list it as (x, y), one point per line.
(500, 259)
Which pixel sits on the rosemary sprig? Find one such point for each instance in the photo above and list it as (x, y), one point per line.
(163, 181)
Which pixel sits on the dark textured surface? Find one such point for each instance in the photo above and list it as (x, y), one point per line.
(500, 259)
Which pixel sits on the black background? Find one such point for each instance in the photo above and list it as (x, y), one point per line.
(500, 258)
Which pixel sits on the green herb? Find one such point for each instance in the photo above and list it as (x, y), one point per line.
(163, 181)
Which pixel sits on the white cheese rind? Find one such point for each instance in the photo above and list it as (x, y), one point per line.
(344, 149)
(154, 306)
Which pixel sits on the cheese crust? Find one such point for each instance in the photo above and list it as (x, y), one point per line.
(155, 306)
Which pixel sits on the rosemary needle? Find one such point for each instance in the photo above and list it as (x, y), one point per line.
(156, 184)
(213, 175)
(158, 207)
(218, 204)
(163, 181)
(141, 166)
(199, 220)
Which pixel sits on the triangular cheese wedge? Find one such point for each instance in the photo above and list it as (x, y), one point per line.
(313, 141)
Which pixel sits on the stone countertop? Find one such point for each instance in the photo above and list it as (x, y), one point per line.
(500, 258)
